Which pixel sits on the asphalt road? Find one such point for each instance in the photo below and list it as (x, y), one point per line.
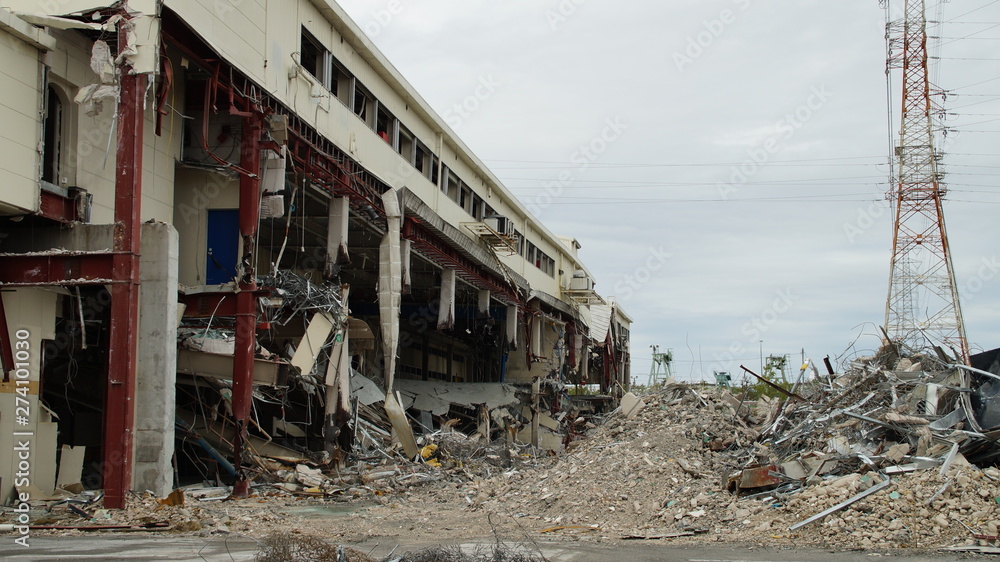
(236, 548)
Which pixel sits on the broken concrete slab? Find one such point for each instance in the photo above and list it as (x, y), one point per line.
(631, 405)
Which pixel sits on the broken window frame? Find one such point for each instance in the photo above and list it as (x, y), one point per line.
(57, 169)
(406, 143)
(342, 82)
(465, 198)
(315, 58)
(386, 126)
(365, 104)
(421, 158)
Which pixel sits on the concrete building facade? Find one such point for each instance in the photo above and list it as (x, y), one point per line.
(216, 213)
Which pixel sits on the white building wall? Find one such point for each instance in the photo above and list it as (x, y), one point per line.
(241, 41)
(88, 156)
(20, 136)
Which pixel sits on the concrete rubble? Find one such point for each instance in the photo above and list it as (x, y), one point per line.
(874, 458)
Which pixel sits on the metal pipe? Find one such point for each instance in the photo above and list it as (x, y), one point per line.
(975, 370)
(201, 442)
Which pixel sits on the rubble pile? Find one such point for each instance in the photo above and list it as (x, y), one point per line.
(865, 445)
(894, 453)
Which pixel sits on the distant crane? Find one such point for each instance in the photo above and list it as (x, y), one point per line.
(659, 371)
(922, 309)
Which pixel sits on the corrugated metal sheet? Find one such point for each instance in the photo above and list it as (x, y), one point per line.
(600, 322)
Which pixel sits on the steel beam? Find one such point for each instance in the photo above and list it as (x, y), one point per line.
(119, 403)
(6, 350)
(444, 255)
(246, 299)
(207, 305)
(56, 207)
(71, 268)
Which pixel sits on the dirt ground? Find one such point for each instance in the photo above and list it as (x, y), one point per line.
(659, 477)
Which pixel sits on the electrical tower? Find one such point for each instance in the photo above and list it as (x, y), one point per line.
(659, 371)
(922, 309)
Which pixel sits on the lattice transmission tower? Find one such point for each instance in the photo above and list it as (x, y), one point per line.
(923, 308)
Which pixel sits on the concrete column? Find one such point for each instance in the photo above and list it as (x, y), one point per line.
(156, 370)
(512, 325)
(446, 307)
(338, 215)
(484, 303)
(405, 251)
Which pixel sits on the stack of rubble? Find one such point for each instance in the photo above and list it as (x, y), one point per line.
(878, 457)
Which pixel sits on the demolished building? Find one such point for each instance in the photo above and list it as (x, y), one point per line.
(233, 226)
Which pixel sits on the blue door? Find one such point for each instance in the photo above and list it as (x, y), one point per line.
(223, 246)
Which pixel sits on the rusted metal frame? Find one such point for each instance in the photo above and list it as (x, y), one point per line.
(6, 351)
(791, 395)
(119, 404)
(246, 299)
(442, 254)
(165, 88)
(58, 208)
(606, 385)
(31, 270)
(205, 305)
(315, 157)
(324, 169)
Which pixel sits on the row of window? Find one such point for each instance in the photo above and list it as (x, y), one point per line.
(344, 86)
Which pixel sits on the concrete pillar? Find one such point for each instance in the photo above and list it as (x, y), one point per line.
(156, 370)
(512, 325)
(338, 216)
(484, 303)
(446, 307)
(405, 251)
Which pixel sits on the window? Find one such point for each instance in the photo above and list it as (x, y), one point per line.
(53, 137)
(364, 104)
(423, 160)
(315, 59)
(404, 145)
(419, 158)
(477, 207)
(450, 183)
(465, 200)
(534, 255)
(342, 83)
(385, 126)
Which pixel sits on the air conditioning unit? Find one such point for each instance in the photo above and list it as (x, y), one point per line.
(84, 202)
(581, 283)
(501, 224)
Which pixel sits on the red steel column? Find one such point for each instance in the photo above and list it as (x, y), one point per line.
(246, 302)
(119, 405)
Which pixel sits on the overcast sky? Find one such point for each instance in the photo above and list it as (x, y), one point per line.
(722, 162)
